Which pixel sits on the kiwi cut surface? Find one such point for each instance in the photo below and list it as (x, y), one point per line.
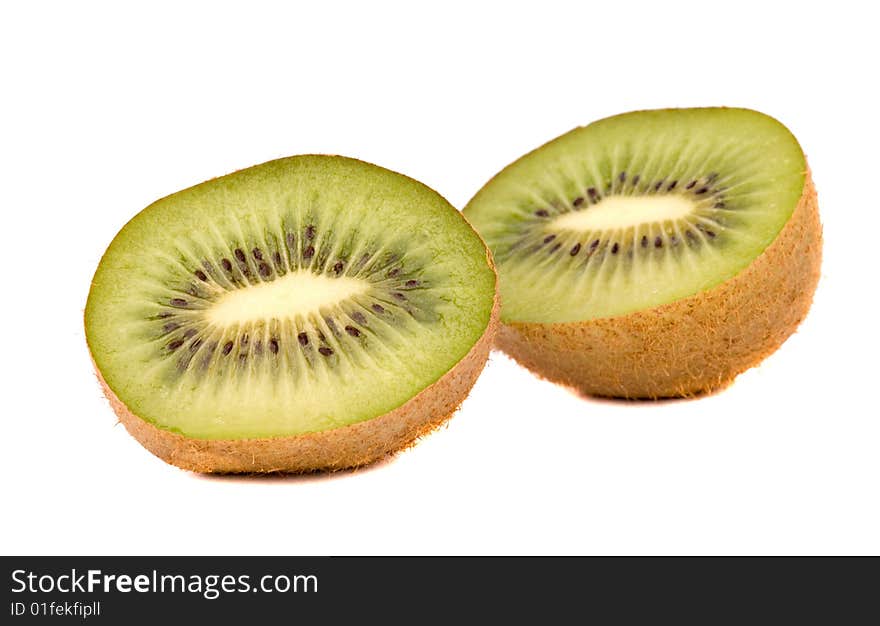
(654, 253)
(314, 312)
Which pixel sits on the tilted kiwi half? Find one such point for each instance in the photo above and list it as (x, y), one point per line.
(655, 253)
(313, 312)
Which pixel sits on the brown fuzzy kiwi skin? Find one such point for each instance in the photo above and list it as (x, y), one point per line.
(691, 346)
(347, 447)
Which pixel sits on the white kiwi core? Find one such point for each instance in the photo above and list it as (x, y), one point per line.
(620, 212)
(298, 293)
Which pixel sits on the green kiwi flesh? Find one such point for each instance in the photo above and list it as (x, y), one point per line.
(299, 296)
(636, 211)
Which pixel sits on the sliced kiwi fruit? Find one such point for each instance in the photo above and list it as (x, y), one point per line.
(310, 313)
(654, 253)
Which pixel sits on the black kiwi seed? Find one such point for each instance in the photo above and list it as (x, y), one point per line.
(190, 333)
(672, 185)
(359, 317)
(658, 242)
(555, 248)
(178, 302)
(709, 233)
(644, 241)
(575, 249)
(393, 273)
(310, 232)
(264, 269)
(337, 269)
(227, 264)
(276, 258)
(615, 248)
(201, 275)
(549, 238)
(701, 190)
(291, 240)
(244, 340)
(594, 195)
(378, 308)
(325, 351)
(239, 254)
(351, 330)
(691, 184)
(399, 296)
(578, 201)
(273, 345)
(622, 177)
(170, 326)
(594, 245)
(174, 345)
(227, 348)
(412, 283)
(303, 339)
(635, 180)
(258, 254)
(163, 315)
(309, 252)
(542, 213)
(258, 347)
(658, 185)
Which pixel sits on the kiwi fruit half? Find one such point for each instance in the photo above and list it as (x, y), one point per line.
(310, 313)
(654, 253)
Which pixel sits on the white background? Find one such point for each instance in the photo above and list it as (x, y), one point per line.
(107, 108)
